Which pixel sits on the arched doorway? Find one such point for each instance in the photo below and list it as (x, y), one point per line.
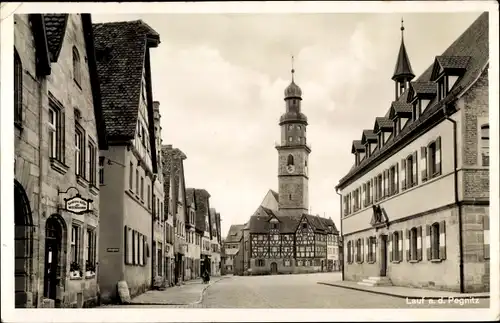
(23, 247)
(274, 268)
(54, 257)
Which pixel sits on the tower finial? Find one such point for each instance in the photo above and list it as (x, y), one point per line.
(402, 27)
(293, 70)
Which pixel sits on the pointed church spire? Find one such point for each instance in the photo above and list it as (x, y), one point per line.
(403, 71)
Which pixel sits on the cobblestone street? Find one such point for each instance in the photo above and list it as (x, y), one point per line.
(297, 291)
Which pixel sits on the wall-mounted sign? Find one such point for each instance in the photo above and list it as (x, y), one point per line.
(77, 204)
(113, 249)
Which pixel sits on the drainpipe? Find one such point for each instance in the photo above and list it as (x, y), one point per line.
(153, 215)
(455, 175)
(341, 250)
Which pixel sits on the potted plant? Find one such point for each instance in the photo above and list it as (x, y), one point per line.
(89, 269)
(75, 270)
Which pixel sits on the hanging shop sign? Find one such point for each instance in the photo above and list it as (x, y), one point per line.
(77, 204)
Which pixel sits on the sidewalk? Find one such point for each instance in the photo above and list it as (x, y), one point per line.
(404, 292)
(191, 292)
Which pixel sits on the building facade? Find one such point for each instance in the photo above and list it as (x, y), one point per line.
(203, 226)
(232, 244)
(58, 134)
(416, 202)
(160, 262)
(129, 166)
(193, 235)
(215, 243)
(173, 169)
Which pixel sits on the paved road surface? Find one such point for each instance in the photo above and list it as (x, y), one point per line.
(299, 291)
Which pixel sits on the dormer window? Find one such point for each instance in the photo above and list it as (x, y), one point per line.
(397, 125)
(442, 88)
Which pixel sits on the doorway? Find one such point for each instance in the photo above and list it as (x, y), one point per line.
(274, 268)
(23, 247)
(53, 257)
(383, 255)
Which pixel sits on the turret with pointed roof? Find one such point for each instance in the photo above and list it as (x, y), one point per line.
(403, 72)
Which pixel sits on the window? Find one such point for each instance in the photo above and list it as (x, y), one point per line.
(136, 247)
(131, 177)
(396, 246)
(411, 170)
(101, 170)
(380, 187)
(413, 244)
(91, 247)
(359, 251)
(77, 72)
(431, 159)
(435, 243)
(141, 250)
(92, 163)
(149, 197)
(137, 181)
(56, 131)
(290, 160)
(441, 88)
(485, 145)
(416, 110)
(372, 242)
(393, 183)
(79, 152)
(290, 139)
(75, 244)
(18, 89)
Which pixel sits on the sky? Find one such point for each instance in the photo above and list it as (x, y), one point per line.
(220, 79)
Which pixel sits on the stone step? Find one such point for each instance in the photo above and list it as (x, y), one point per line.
(376, 281)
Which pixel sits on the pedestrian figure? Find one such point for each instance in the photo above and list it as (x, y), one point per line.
(206, 277)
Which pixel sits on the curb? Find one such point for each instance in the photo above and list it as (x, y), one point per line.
(398, 295)
(179, 304)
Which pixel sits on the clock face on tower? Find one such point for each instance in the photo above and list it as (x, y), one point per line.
(290, 168)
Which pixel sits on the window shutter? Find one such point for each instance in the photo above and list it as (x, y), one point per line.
(442, 240)
(375, 190)
(144, 258)
(367, 250)
(362, 249)
(371, 192)
(428, 241)
(390, 247)
(62, 140)
(403, 174)
(385, 181)
(415, 169)
(438, 156)
(423, 163)
(134, 251)
(486, 236)
(345, 205)
(363, 196)
(419, 243)
(396, 178)
(400, 258)
(94, 250)
(125, 245)
(407, 245)
(374, 249)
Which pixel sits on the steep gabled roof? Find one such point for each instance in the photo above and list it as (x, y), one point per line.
(55, 26)
(122, 52)
(357, 146)
(235, 233)
(473, 43)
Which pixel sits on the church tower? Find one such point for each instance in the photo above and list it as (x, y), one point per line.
(403, 73)
(293, 153)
